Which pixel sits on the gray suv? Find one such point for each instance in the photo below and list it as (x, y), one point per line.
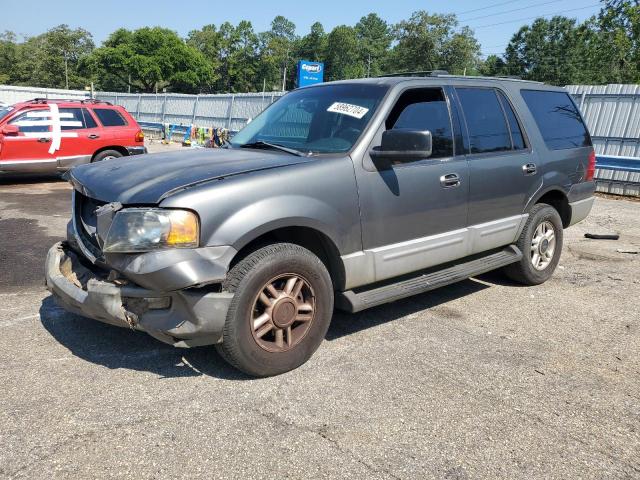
(356, 193)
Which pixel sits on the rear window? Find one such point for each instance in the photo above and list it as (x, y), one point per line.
(109, 117)
(557, 118)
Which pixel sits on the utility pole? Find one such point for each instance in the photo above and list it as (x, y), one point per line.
(284, 70)
(66, 70)
(129, 84)
(369, 66)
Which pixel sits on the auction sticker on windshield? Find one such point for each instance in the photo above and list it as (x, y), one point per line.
(348, 109)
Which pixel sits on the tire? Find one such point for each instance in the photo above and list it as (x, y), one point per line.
(302, 313)
(106, 154)
(541, 217)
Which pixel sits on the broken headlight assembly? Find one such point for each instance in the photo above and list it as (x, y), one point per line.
(146, 229)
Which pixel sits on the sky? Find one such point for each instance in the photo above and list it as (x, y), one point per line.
(494, 21)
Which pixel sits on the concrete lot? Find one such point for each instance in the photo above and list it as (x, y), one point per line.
(484, 379)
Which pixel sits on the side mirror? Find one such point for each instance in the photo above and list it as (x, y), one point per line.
(10, 130)
(401, 146)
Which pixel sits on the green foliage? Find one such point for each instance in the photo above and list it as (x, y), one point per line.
(148, 59)
(431, 42)
(603, 49)
(342, 58)
(374, 39)
(52, 59)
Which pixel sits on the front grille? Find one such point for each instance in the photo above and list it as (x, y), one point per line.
(85, 220)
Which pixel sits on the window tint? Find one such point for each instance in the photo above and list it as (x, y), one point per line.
(425, 109)
(109, 117)
(24, 118)
(485, 120)
(76, 117)
(557, 118)
(514, 126)
(89, 122)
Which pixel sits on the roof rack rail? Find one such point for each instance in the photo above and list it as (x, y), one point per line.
(79, 100)
(420, 73)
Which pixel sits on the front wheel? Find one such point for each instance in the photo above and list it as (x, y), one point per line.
(280, 312)
(541, 245)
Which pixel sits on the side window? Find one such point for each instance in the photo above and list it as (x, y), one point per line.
(425, 109)
(89, 122)
(71, 119)
(557, 118)
(109, 117)
(487, 126)
(514, 126)
(25, 123)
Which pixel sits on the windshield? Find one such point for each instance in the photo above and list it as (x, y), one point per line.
(326, 119)
(4, 111)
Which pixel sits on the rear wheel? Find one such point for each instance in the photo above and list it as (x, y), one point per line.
(280, 312)
(541, 245)
(106, 155)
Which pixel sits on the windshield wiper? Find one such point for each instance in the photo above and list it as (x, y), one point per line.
(275, 146)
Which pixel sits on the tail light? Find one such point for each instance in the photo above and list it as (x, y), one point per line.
(591, 167)
(139, 136)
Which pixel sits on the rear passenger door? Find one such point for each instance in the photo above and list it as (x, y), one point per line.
(81, 147)
(503, 171)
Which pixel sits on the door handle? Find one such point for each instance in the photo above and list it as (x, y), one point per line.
(93, 136)
(44, 140)
(450, 180)
(529, 169)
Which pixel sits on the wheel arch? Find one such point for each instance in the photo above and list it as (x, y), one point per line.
(309, 237)
(117, 148)
(558, 199)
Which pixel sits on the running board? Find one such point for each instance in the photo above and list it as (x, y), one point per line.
(351, 301)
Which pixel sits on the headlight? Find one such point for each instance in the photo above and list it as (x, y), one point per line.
(144, 229)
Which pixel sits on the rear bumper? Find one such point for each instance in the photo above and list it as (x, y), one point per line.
(581, 200)
(580, 210)
(136, 150)
(183, 318)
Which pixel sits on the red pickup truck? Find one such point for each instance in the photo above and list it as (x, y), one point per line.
(45, 135)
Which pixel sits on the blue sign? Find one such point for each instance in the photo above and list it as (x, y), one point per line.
(310, 73)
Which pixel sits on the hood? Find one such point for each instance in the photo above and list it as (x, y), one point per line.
(147, 179)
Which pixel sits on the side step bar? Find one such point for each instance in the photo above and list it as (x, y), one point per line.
(352, 301)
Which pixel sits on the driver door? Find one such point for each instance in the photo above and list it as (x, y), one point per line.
(414, 214)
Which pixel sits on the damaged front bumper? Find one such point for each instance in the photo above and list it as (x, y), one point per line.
(184, 318)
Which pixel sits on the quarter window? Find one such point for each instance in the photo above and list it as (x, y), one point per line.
(557, 118)
(486, 123)
(109, 117)
(89, 122)
(425, 109)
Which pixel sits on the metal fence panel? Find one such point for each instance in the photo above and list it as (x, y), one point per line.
(612, 113)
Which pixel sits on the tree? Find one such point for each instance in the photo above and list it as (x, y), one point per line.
(342, 59)
(277, 47)
(493, 66)
(149, 59)
(53, 59)
(545, 51)
(8, 56)
(430, 42)
(313, 46)
(374, 38)
(208, 41)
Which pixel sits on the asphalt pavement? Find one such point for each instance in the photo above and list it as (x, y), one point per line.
(483, 379)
